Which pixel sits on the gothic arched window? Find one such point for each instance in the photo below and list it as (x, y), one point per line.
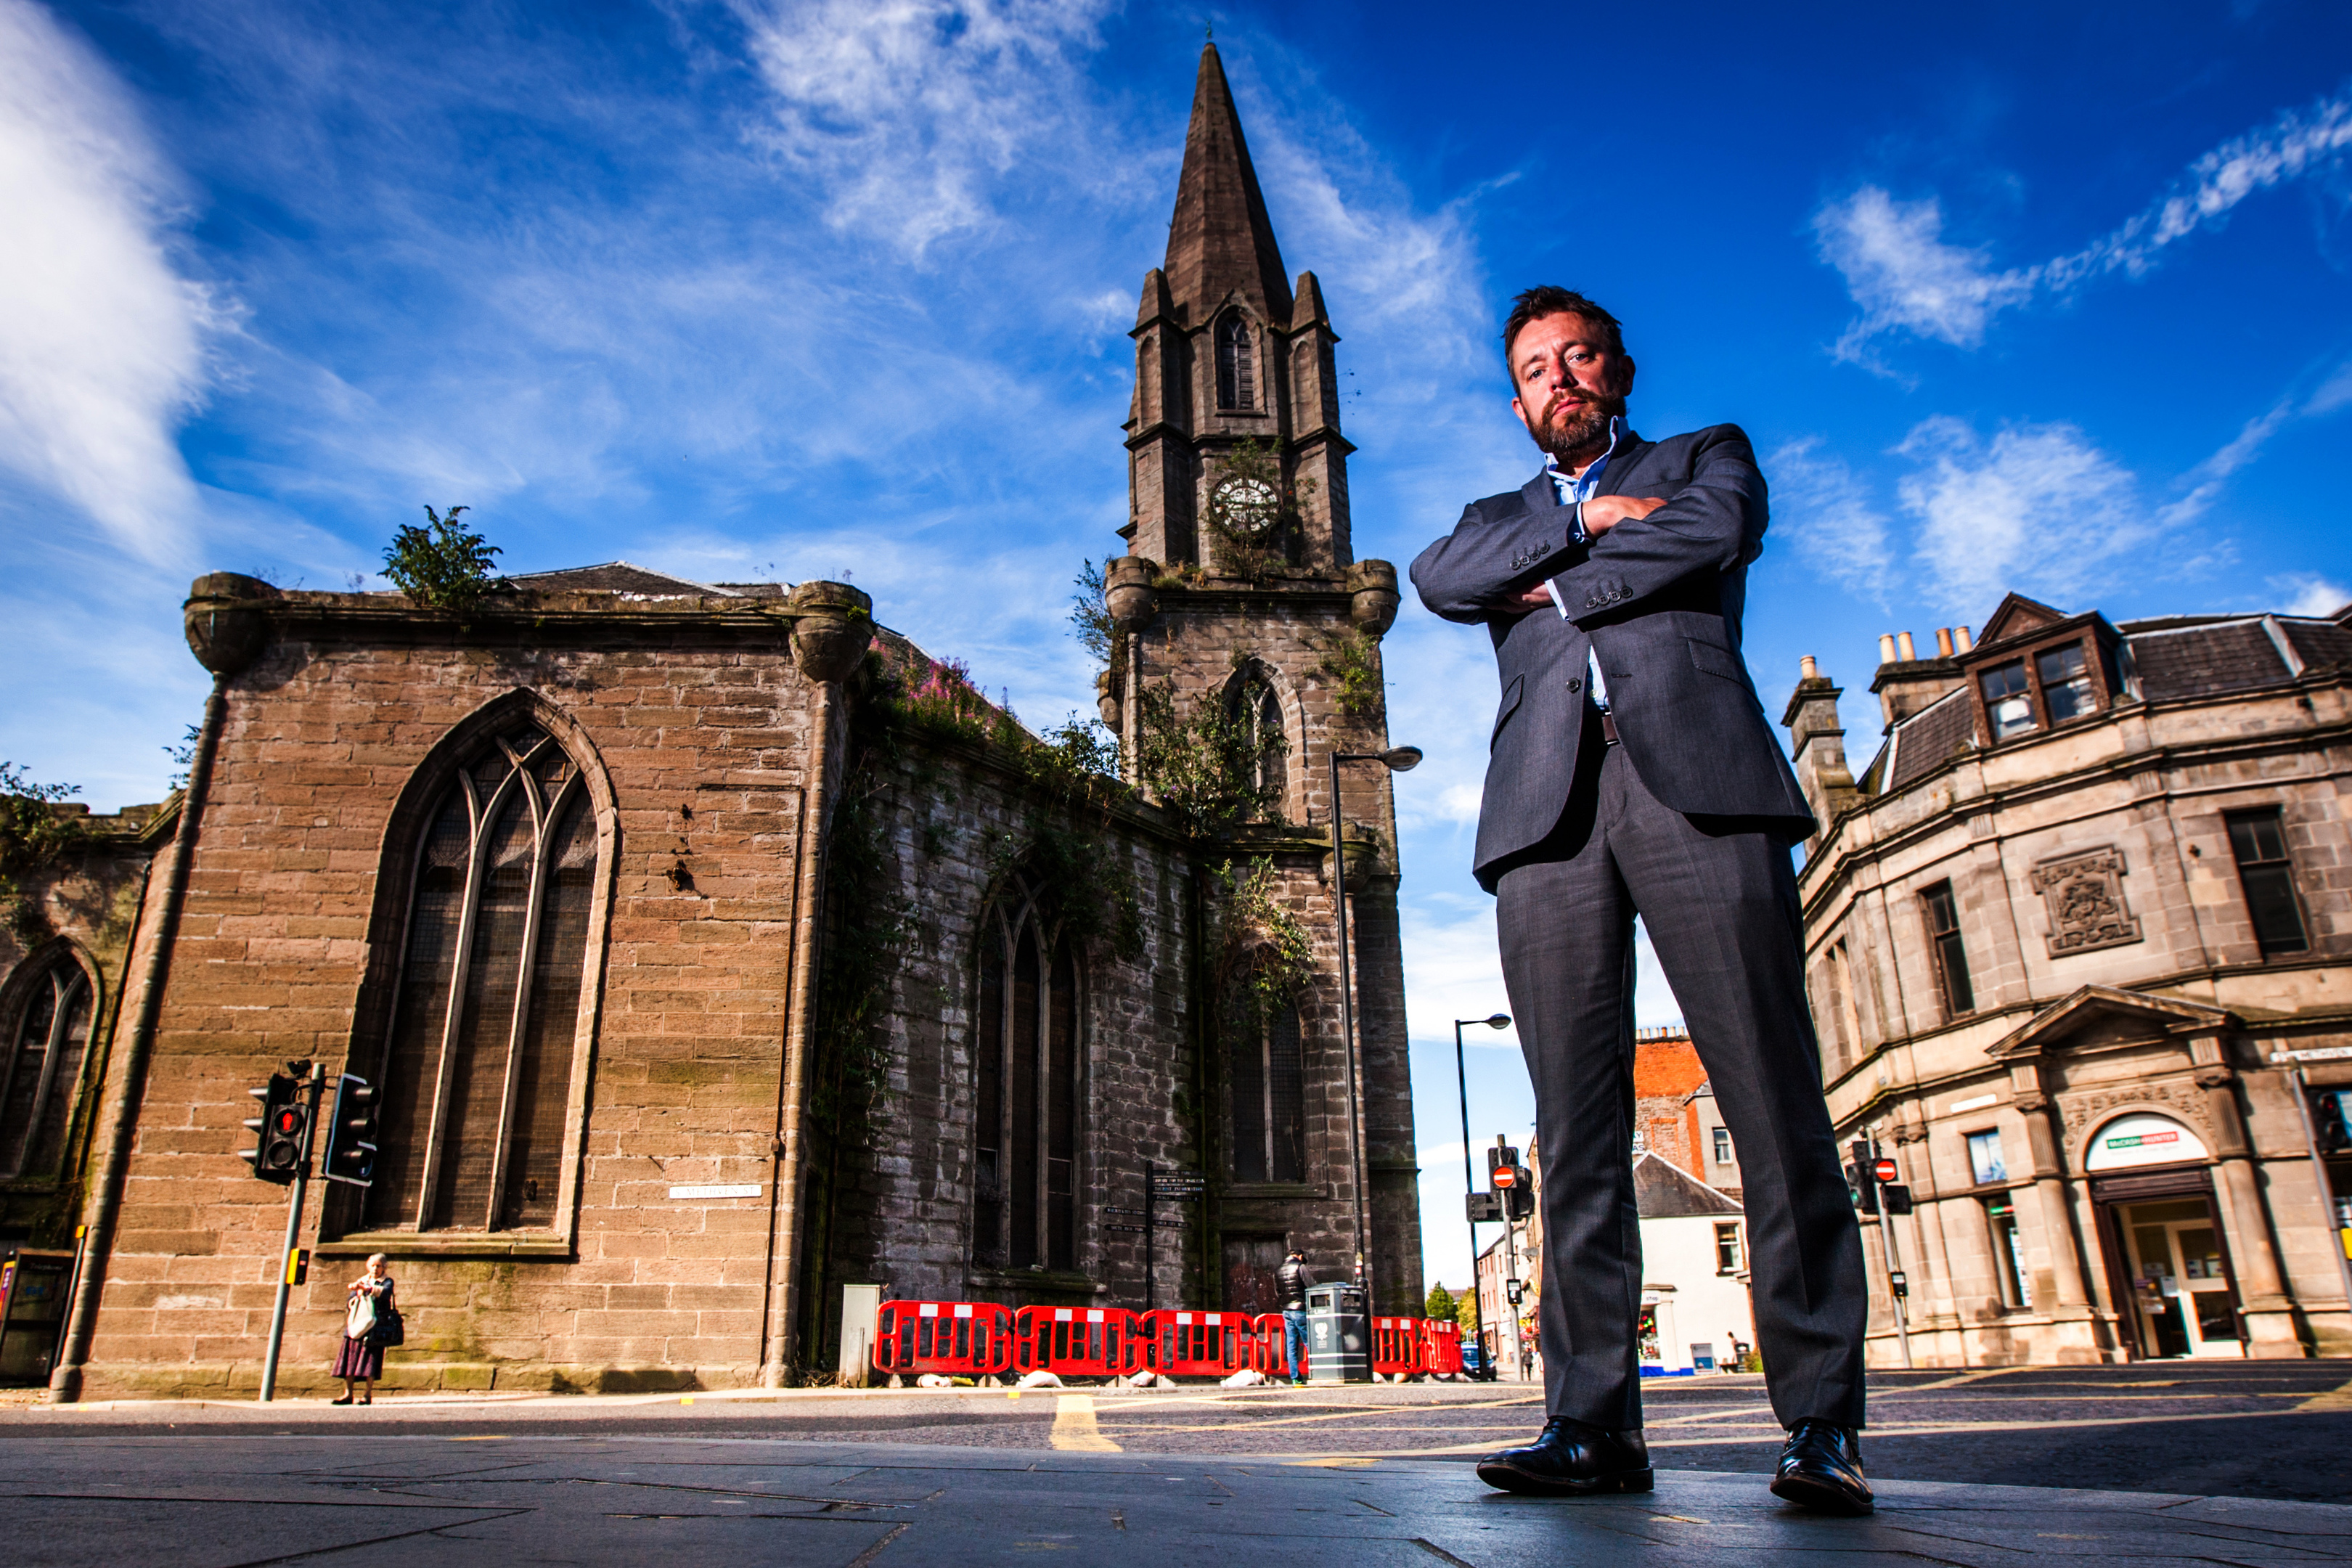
(477, 1075)
(1236, 363)
(1026, 1058)
(1268, 1077)
(46, 1041)
(1253, 704)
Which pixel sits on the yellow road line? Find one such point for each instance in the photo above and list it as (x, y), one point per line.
(1074, 1425)
(2334, 1399)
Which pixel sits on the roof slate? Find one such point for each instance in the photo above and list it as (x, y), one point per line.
(1220, 240)
(1927, 740)
(2197, 661)
(1663, 1190)
(620, 577)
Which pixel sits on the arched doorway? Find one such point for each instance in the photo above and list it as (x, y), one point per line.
(2168, 1256)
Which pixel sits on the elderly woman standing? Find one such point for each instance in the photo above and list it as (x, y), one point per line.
(361, 1360)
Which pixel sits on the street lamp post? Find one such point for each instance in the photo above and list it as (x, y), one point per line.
(1469, 1181)
(1397, 760)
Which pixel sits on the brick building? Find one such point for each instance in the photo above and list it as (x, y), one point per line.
(2080, 940)
(713, 947)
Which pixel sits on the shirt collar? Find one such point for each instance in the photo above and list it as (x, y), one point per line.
(1573, 488)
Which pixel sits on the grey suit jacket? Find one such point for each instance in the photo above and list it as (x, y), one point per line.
(1659, 599)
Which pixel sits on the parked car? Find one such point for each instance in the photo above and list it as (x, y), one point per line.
(1474, 1364)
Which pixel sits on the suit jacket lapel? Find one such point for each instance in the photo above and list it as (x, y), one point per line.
(1619, 473)
(1540, 493)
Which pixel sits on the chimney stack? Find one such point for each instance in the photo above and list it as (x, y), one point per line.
(1807, 669)
(1943, 642)
(1905, 682)
(1966, 641)
(1906, 647)
(1817, 745)
(1886, 648)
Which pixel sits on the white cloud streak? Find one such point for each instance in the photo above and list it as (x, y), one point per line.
(1827, 514)
(2037, 508)
(1907, 278)
(908, 111)
(103, 345)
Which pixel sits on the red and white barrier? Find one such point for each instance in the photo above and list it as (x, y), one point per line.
(967, 1338)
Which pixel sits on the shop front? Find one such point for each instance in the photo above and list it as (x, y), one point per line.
(2167, 1250)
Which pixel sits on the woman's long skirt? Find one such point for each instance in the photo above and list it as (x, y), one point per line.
(359, 1358)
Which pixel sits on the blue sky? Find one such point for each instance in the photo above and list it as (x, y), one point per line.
(2050, 299)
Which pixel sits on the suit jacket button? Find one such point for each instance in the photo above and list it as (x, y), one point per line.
(1575, 685)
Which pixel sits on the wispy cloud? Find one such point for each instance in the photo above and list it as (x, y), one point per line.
(102, 342)
(1826, 511)
(908, 111)
(1907, 278)
(2035, 507)
(2309, 593)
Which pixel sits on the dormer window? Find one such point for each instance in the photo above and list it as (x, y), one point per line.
(2065, 682)
(1237, 363)
(2009, 706)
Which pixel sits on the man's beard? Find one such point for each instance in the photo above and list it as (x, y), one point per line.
(1581, 432)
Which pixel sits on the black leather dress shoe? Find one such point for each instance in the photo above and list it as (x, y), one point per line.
(1820, 1469)
(1571, 1459)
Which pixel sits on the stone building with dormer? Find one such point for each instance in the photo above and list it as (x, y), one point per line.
(2079, 946)
(713, 949)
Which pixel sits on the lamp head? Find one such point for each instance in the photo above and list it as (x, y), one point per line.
(1499, 1021)
(1401, 759)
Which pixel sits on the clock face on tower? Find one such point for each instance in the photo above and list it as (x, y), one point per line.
(1247, 509)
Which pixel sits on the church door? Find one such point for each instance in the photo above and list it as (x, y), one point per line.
(1252, 1269)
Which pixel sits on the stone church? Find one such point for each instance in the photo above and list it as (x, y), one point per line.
(714, 948)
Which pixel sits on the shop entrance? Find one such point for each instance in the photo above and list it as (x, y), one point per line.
(2181, 1291)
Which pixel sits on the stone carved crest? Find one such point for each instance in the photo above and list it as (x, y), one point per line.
(2181, 1102)
(2085, 897)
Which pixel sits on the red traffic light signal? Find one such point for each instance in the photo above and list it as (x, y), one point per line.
(1884, 1170)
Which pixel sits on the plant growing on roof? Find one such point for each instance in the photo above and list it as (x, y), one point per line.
(33, 837)
(442, 566)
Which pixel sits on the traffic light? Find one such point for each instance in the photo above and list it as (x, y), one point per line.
(1515, 1290)
(349, 1155)
(276, 1154)
(1483, 1207)
(1894, 1197)
(1520, 1197)
(1862, 1176)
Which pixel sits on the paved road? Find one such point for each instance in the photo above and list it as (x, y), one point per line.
(241, 1499)
(2271, 1429)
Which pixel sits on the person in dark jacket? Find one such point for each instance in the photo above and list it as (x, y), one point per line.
(1632, 771)
(1294, 1279)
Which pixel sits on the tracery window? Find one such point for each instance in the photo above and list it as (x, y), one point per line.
(1027, 1068)
(477, 1075)
(1236, 363)
(1253, 702)
(1269, 1099)
(45, 1050)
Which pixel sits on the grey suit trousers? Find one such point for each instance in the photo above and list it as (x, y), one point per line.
(1719, 900)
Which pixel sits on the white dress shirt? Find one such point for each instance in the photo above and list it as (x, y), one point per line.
(1574, 491)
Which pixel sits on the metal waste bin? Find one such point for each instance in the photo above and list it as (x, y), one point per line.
(1338, 1334)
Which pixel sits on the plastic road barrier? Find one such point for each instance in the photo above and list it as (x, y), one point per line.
(1441, 1347)
(1198, 1344)
(1077, 1342)
(1265, 1352)
(1396, 1347)
(969, 1339)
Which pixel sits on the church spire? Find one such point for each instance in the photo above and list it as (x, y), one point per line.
(1220, 240)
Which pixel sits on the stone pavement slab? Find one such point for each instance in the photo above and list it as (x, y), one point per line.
(389, 1500)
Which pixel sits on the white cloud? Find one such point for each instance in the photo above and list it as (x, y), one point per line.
(908, 111)
(101, 343)
(2296, 143)
(2037, 508)
(2308, 594)
(2334, 392)
(1906, 278)
(1829, 517)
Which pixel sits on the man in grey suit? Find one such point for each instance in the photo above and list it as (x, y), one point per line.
(1632, 772)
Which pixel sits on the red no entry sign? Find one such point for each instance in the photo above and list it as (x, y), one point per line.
(1884, 1170)
(1504, 1176)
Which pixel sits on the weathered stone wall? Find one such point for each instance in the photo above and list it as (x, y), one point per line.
(2148, 782)
(692, 723)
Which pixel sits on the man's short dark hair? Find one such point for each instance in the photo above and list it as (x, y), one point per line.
(1549, 299)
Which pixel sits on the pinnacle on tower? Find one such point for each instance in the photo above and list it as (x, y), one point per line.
(1220, 241)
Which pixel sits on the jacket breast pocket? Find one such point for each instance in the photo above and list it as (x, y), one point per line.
(1715, 661)
(1509, 706)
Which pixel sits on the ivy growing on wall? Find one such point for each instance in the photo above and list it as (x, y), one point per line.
(1347, 658)
(1265, 957)
(1211, 769)
(32, 839)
